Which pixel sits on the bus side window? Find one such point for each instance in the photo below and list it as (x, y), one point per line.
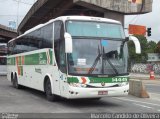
(59, 45)
(57, 27)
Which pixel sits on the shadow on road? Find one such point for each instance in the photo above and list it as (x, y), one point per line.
(73, 102)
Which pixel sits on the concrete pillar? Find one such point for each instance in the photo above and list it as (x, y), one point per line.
(114, 15)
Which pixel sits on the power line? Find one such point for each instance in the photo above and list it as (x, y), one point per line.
(11, 15)
(19, 1)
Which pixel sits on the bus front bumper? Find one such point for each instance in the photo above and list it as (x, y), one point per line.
(77, 92)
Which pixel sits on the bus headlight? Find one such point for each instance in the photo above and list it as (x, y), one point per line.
(123, 84)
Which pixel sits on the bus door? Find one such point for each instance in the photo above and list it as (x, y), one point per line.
(60, 75)
(63, 69)
(59, 48)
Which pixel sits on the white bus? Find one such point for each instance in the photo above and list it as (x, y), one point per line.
(3, 59)
(72, 57)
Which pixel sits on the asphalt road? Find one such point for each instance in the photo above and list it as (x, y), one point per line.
(32, 101)
(153, 86)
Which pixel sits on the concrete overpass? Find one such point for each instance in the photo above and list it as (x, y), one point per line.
(6, 34)
(44, 10)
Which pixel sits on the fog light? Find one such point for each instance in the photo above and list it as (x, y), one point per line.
(71, 92)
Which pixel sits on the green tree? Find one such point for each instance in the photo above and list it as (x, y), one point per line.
(133, 57)
(151, 46)
(157, 48)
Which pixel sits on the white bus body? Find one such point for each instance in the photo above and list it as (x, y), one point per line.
(72, 57)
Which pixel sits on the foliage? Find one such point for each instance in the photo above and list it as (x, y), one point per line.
(146, 47)
(157, 48)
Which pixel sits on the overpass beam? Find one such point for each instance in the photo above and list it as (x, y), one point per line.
(114, 15)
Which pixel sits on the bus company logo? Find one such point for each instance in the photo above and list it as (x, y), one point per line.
(8, 61)
(120, 79)
(38, 70)
(103, 84)
(40, 56)
(41, 59)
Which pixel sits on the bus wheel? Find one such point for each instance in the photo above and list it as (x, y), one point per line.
(48, 91)
(15, 82)
(12, 77)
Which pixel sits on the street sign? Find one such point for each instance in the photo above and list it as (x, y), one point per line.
(137, 29)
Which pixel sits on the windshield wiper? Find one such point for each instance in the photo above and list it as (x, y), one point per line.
(110, 63)
(95, 61)
(104, 57)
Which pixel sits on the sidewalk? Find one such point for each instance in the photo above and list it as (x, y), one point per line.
(143, 76)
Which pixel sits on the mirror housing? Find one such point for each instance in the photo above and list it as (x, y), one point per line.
(136, 43)
(68, 43)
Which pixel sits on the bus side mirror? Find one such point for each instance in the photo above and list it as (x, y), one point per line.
(136, 43)
(68, 43)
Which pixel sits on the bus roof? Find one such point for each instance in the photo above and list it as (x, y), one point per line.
(64, 18)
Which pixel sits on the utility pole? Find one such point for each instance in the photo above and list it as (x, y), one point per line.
(18, 1)
(18, 12)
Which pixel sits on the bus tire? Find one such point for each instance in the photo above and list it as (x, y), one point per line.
(48, 90)
(12, 77)
(15, 82)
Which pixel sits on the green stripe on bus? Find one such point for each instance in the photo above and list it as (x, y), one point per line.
(72, 80)
(11, 61)
(100, 80)
(32, 59)
(109, 80)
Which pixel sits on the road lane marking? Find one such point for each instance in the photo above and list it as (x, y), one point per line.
(152, 84)
(136, 101)
(144, 106)
(154, 93)
(156, 99)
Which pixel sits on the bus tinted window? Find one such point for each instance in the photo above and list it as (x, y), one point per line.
(95, 29)
(11, 46)
(38, 39)
(3, 60)
(57, 30)
(59, 45)
(47, 36)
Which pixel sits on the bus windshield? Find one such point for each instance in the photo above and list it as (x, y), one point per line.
(98, 50)
(95, 29)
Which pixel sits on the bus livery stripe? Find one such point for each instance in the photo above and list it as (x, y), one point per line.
(42, 58)
(97, 80)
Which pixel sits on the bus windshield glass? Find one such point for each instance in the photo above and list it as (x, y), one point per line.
(94, 29)
(98, 49)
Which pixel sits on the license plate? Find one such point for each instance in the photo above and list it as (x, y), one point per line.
(102, 92)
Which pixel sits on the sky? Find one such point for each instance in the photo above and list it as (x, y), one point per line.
(151, 19)
(11, 10)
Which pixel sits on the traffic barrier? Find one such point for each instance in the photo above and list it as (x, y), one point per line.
(137, 88)
(152, 76)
